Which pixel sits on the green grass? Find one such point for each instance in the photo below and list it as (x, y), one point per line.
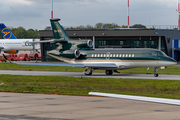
(78, 86)
(8, 66)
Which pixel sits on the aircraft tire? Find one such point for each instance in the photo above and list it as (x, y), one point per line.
(90, 73)
(156, 75)
(109, 72)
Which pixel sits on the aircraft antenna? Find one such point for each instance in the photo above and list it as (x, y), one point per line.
(128, 13)
(52, 11)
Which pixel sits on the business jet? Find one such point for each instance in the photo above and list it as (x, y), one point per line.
(79, 53)
(10, 44)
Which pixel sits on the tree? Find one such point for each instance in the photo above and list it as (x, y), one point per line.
(89, 27)
(99, 25)
(48, 28)
(30, 33)
(138, 26)
(110, 25)
(21, 33)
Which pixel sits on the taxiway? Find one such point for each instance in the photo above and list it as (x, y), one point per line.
(18, 106)
(94, 75)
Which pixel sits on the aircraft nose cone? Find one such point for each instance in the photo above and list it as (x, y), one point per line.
(174, 62)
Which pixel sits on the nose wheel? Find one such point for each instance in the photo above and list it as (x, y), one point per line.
(155, 72)
(88, 71)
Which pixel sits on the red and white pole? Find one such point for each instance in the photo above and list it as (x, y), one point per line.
(178, 15)
(52, 11)
(128, 14)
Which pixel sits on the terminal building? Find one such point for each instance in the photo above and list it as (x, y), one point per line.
(166, 40)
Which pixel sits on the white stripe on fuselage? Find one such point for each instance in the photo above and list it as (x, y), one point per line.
(16, 44)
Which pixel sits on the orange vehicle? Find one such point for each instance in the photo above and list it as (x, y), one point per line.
(12, 57)
(33, 56)
(22, 57)
(2, 59)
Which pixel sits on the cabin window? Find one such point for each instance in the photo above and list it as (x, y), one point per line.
(92, 55)
(104, 55)
(126, 55)
(95, 55)
(114, 55)
(123, 55)
(117, 55)
(129, 55)
(101, 55)
(110, 55)
(98, 55)
(132, 55)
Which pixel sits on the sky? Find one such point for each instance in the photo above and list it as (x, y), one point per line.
(35, 14)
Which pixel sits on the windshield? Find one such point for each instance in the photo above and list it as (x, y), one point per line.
(154, 53)
(161, 53)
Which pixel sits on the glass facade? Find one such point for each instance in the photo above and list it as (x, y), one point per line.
(131, 42)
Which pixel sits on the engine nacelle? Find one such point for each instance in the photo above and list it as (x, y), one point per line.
(12, 51)
(90, 43)
(84, 43)
(77, 53)
(70, 53)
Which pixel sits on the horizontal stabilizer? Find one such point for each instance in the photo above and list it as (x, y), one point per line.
(50, 41)
(146, 99)
(73, 65)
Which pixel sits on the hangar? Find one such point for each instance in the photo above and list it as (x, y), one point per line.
(165, 40)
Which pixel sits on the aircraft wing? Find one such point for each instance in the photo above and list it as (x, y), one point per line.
(146, 99)
(73, 65)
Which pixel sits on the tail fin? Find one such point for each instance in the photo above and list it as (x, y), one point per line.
(58, 30)
(7, 34)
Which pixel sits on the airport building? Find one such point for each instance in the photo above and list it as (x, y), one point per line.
(165, 40)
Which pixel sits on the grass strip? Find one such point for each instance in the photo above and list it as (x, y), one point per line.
(9, 66)
(78, 86)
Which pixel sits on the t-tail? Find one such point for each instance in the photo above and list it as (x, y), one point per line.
(7, 34)
(58, 30)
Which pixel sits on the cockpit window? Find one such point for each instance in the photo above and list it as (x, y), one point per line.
(161, 53)
(154, 54)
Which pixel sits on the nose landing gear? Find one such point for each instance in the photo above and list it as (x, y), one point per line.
(155, 72)
(88, 71)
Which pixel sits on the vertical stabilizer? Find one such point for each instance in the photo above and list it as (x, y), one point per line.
(58, 30)
(7, 34)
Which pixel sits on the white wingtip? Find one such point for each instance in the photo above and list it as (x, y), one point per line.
(130, 97)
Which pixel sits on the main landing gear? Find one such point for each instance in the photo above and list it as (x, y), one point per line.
(88, 71)
(109, 72)
(155, 72)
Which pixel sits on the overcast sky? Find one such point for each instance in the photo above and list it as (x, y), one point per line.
(35, 14)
